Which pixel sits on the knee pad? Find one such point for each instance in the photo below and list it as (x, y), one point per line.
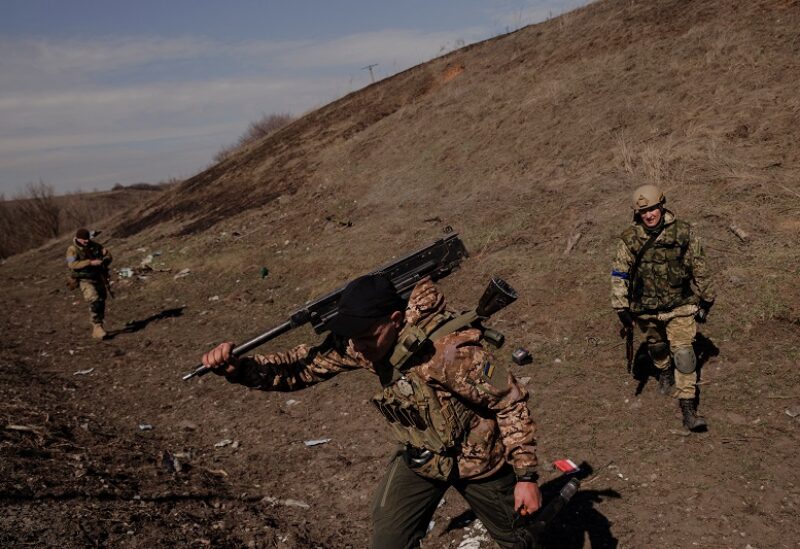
(685, 360)
(658, 351)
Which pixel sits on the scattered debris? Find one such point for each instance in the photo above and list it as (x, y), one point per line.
(566, 466)
(170, 462)
(572, 242)
(475, 536)
(214, 298)
(24, 429)
(680, 433)
(125, 272)
(82, 372)
(218, 472)
(793, 412)
(316, 442)
(264, 272)
(182, 273)
(521, 356)
(286, 502)
(743, 236)
(145, 427)
(292, 402)
(222, 443)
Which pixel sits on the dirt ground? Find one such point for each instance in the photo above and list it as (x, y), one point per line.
(529, 145)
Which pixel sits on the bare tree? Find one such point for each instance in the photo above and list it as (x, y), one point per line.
(264, 126)
(38, 207)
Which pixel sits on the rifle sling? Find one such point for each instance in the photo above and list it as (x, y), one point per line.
(634, 271)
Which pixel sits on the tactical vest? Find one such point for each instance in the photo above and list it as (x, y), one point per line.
(92, 250)
(662, 281)
(417, 417)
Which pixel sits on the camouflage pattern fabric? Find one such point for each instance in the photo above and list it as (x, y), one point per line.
(79, 259)
(679, 331)
(94, 294)
(673, 272)
(459, 367)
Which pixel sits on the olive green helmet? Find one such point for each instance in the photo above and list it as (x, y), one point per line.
(646, 197)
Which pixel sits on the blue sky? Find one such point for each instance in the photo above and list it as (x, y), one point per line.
(94, 93)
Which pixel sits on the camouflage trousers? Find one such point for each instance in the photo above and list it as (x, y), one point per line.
(677, 328)
(94, 293)
(404, 504)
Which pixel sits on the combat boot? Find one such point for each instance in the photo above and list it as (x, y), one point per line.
(666, 380)
(98, 332)
(691, 420)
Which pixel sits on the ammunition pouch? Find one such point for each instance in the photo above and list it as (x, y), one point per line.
(431, 428)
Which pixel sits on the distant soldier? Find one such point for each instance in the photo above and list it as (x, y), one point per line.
(459, 415)
(660, 282)
(88, 262)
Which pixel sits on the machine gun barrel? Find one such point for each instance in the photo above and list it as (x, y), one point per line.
(436, 260)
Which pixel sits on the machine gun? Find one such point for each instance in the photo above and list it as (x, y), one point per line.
(532, 529)
(436, 260)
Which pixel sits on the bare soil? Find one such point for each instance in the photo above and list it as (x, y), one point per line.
(521, 143)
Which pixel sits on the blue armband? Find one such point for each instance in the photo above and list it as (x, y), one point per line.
(620, 274)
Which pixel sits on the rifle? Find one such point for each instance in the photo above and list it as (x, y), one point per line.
(436, 260)
(627, 331)
(104, 277)
(532, 529)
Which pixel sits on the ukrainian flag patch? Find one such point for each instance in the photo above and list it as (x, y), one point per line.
(488, 370)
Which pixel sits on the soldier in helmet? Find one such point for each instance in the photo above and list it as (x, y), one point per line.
(88, 264)
(460, 417)
(660, 282)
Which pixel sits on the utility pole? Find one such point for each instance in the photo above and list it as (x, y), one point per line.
(369, 67)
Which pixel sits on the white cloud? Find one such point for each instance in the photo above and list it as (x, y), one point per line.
(406, 47)
(514, 17)
(67, 100)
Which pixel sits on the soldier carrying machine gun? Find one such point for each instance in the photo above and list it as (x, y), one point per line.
(459, 415)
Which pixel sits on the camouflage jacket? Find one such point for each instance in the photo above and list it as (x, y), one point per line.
(79, 260)
(501, 431)
(672, 272)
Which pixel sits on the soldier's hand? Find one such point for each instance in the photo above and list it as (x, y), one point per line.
(527, 498)
(702, 314)
(220, 360)
(625, 317)
(96, 262)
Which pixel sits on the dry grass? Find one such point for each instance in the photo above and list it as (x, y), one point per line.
(37, 215)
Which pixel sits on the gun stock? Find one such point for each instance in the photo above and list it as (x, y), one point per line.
(436, 260)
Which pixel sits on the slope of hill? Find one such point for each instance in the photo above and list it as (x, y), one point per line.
(529, 144)
(29, 221)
